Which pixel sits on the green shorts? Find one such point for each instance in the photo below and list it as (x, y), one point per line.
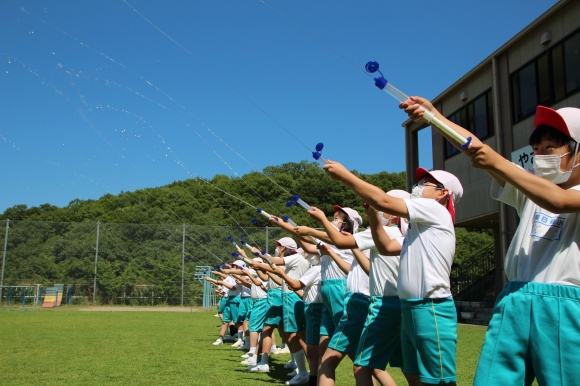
(258, 314)
(380, 341)
(293, 312)
(349, 329)
(313, 314)
(231, 309)
(244, 309)
(275, 312)
(534, 332)
(429, 339)
(222, 305)
(333, 292)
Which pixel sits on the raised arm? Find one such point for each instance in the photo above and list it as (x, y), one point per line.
(362, 259)
(294, 284)
(341, 240)
(343, 265)
(370, 194)
(384, 244)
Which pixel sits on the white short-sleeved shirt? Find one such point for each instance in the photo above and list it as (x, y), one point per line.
(294, 266)
(357, 280)
(311, 281)
(329, 269)
(545, 246)
(246, 292)
(224, 290)
(256, 291)
(427, 252)
(231, 281)
(384, 269)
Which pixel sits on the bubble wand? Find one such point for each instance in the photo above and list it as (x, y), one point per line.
(235, 254)
(231, 240)
(291, 222)
(384, 85)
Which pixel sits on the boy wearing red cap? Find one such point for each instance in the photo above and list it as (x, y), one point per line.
(429, 318)
(534, 329)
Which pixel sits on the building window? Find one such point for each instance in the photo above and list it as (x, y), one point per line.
(547, 79)
(476, 116)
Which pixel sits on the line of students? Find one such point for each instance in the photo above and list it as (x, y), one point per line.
(384, 296)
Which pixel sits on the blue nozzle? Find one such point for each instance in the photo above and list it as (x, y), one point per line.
(256, 254)
(243, 242)
(263, 252)
(234, 254)
(286, 218)
(259, 210)
(316, 155)
(319, 146)
(372, 67)
(230, 239)
(466, 144)
(289, 204)
(381, 82)
(295, 198)
(254, 220)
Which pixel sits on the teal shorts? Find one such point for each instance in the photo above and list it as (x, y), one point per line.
(222, 305)
(313, 314)
(333, 292)
(275, 312)
(534, 332)
(258, 314)
(349, 329)
(231, 309)
(293, 312)
(244, 309)
(380, 341)
(429, 339)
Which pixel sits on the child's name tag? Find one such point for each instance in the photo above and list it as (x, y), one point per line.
(547, 227)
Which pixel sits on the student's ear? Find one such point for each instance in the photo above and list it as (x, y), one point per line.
(444, 194)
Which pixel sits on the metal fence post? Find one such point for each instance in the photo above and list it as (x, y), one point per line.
(4, 258)
(96, 258)
(182, 262)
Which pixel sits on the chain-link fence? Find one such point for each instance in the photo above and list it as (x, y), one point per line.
(110, 263)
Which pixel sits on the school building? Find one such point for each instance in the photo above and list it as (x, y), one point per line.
(496, 101)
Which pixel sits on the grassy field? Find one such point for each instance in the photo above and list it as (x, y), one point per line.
(69, 346)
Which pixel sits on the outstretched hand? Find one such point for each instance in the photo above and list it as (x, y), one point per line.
(414, 107)
(316, 214)
(335, 170)
(483, 156)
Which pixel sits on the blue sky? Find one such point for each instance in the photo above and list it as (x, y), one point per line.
(107, 96)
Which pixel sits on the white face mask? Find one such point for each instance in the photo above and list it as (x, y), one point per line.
(384, 221)
(313, 260)
(417, 191)
(335, 223)
(548, 167)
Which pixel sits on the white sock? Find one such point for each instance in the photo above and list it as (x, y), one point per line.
(265, 359)
(273, 347)
(300, 360)
(240, 334)
(252, 351)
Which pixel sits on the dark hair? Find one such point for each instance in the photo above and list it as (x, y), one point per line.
(348, 223)
(544, 132)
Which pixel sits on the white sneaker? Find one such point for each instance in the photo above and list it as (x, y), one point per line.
(260, 368)
(252, 361)
(218, 342)
(290, 365)
(246, 355)
(216, 316)
(239, 343)
(299, 379)
(292, 373)
(284, 350)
